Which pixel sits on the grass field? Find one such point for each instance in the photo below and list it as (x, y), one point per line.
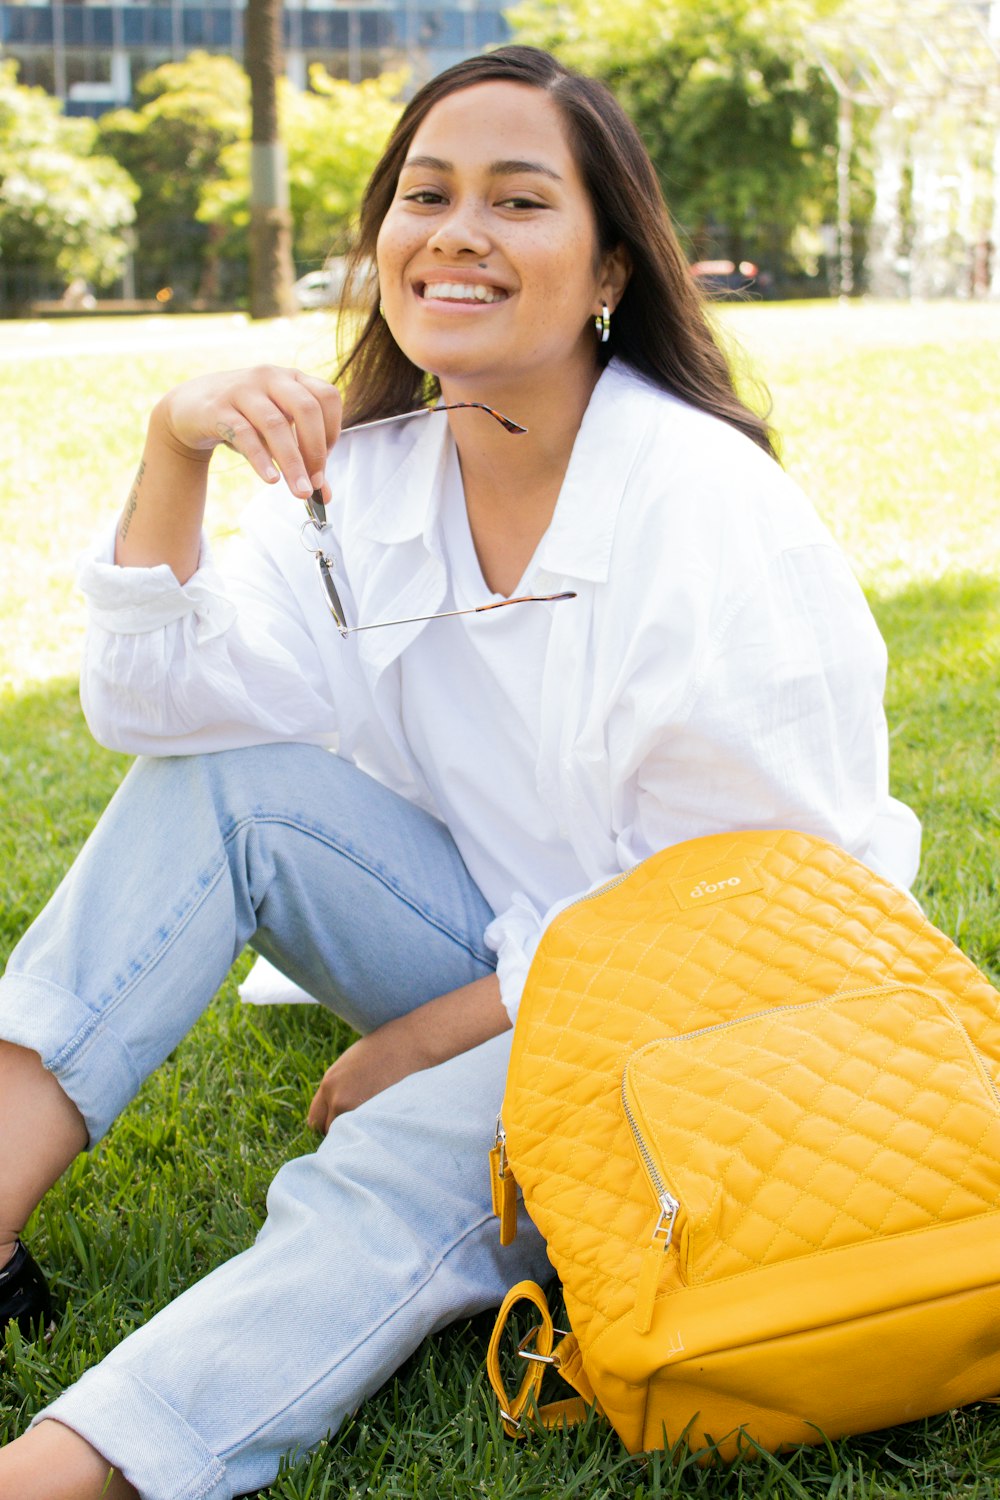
(889, 417)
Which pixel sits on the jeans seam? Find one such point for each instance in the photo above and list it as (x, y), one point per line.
(348, 1353)
(213, 1460)
(346, 851)
(100, 1015)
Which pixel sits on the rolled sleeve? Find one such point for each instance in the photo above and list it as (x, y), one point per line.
(135, 601)
(211, 664)
(513, 936)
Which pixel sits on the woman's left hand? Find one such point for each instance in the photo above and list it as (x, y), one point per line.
(425, 1036)
(368, 1066)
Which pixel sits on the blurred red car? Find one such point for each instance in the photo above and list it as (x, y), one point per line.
(719, 276)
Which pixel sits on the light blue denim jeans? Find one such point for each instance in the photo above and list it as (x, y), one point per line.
(385, 1233)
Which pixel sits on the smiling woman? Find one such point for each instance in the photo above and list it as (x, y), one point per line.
(365, 766)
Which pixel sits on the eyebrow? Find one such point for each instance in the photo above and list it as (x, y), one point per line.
(509, 167)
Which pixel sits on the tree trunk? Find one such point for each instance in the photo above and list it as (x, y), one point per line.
(271, 268)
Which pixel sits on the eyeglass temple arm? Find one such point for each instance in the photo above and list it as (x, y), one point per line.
(315, 504)
(477, 609)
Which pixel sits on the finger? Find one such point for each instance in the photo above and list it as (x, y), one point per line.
(240, 434)
(316, 1118)
(330, 406)
(266, 435)
(311, 409)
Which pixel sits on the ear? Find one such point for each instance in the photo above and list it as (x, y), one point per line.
(616, 268)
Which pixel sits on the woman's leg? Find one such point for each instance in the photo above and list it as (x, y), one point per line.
(359, 896)
(382, 1236)
(52, 1462)
(41, 1130)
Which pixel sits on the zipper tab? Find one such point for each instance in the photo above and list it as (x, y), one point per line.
(652, 1262)
(503, 1188)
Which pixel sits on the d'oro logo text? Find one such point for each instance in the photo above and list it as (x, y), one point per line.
(737, 877)
(711, 888)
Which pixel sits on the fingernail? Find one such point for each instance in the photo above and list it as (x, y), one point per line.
(317, 479)
(271, 472)
(304, 488)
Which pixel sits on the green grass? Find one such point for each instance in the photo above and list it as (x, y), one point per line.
(889, 418)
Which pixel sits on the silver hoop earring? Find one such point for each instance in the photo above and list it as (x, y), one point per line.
(602, 322)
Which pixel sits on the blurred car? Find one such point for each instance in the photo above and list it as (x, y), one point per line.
(717, 277)
(322, 288)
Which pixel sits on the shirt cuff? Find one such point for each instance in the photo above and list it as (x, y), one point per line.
(136, 601)
(513, 937)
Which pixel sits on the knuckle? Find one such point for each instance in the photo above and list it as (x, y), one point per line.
(274, 421)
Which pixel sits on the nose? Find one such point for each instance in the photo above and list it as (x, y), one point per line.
(461, 232)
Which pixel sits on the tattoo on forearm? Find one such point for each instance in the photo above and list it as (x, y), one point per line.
(131, 502)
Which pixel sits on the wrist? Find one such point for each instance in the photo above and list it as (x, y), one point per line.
(160, 435)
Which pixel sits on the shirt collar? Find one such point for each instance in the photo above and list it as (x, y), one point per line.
(410, 463)
(404, 465)
(581, 535)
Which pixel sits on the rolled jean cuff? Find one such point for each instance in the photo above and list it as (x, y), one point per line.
(93, 1067)
(116, 1414)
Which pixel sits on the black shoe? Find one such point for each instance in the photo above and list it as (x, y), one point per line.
(24, 1294)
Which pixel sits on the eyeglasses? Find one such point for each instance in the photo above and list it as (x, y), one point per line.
(317, 523)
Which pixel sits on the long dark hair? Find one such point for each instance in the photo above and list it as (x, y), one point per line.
(659, 328)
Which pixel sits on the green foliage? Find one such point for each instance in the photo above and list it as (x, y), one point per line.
(739, 121)
(64, 206)
(171, 143)
(333, 137)
(187, 144)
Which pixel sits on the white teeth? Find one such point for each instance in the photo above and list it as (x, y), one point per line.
(461, 291)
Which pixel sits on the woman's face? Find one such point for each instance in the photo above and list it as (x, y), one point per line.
(488, 262)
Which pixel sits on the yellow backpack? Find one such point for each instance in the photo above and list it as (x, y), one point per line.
(752, 1107)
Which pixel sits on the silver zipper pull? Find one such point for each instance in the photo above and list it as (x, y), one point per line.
(652, 1263)
(663, 1233)
(503, 1188)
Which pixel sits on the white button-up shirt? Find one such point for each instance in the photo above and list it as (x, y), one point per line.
(718, 669)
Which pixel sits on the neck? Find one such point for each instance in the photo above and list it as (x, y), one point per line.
(512, 483)
(522, 474)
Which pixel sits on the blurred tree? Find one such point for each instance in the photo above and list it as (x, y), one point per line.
(333, 137)
(64, 208)
(271, 270)
(187, 144)
(738, 118)
(187, 113)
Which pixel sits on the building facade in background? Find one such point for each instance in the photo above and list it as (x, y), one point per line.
(92, 55)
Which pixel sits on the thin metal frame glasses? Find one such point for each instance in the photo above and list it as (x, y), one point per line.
(325, 564)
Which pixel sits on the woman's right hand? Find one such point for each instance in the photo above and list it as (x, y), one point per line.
(279, 419)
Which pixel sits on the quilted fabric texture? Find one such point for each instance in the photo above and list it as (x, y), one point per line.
(819, 1126)
(804, 1058)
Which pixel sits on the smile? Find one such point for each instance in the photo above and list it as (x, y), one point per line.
(461, 291)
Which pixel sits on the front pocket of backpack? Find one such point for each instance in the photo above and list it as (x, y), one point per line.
(813, 1127)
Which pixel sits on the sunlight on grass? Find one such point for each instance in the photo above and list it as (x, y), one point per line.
(889, 419)
(72, 427)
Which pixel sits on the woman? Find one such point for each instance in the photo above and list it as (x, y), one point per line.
(694, 656)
